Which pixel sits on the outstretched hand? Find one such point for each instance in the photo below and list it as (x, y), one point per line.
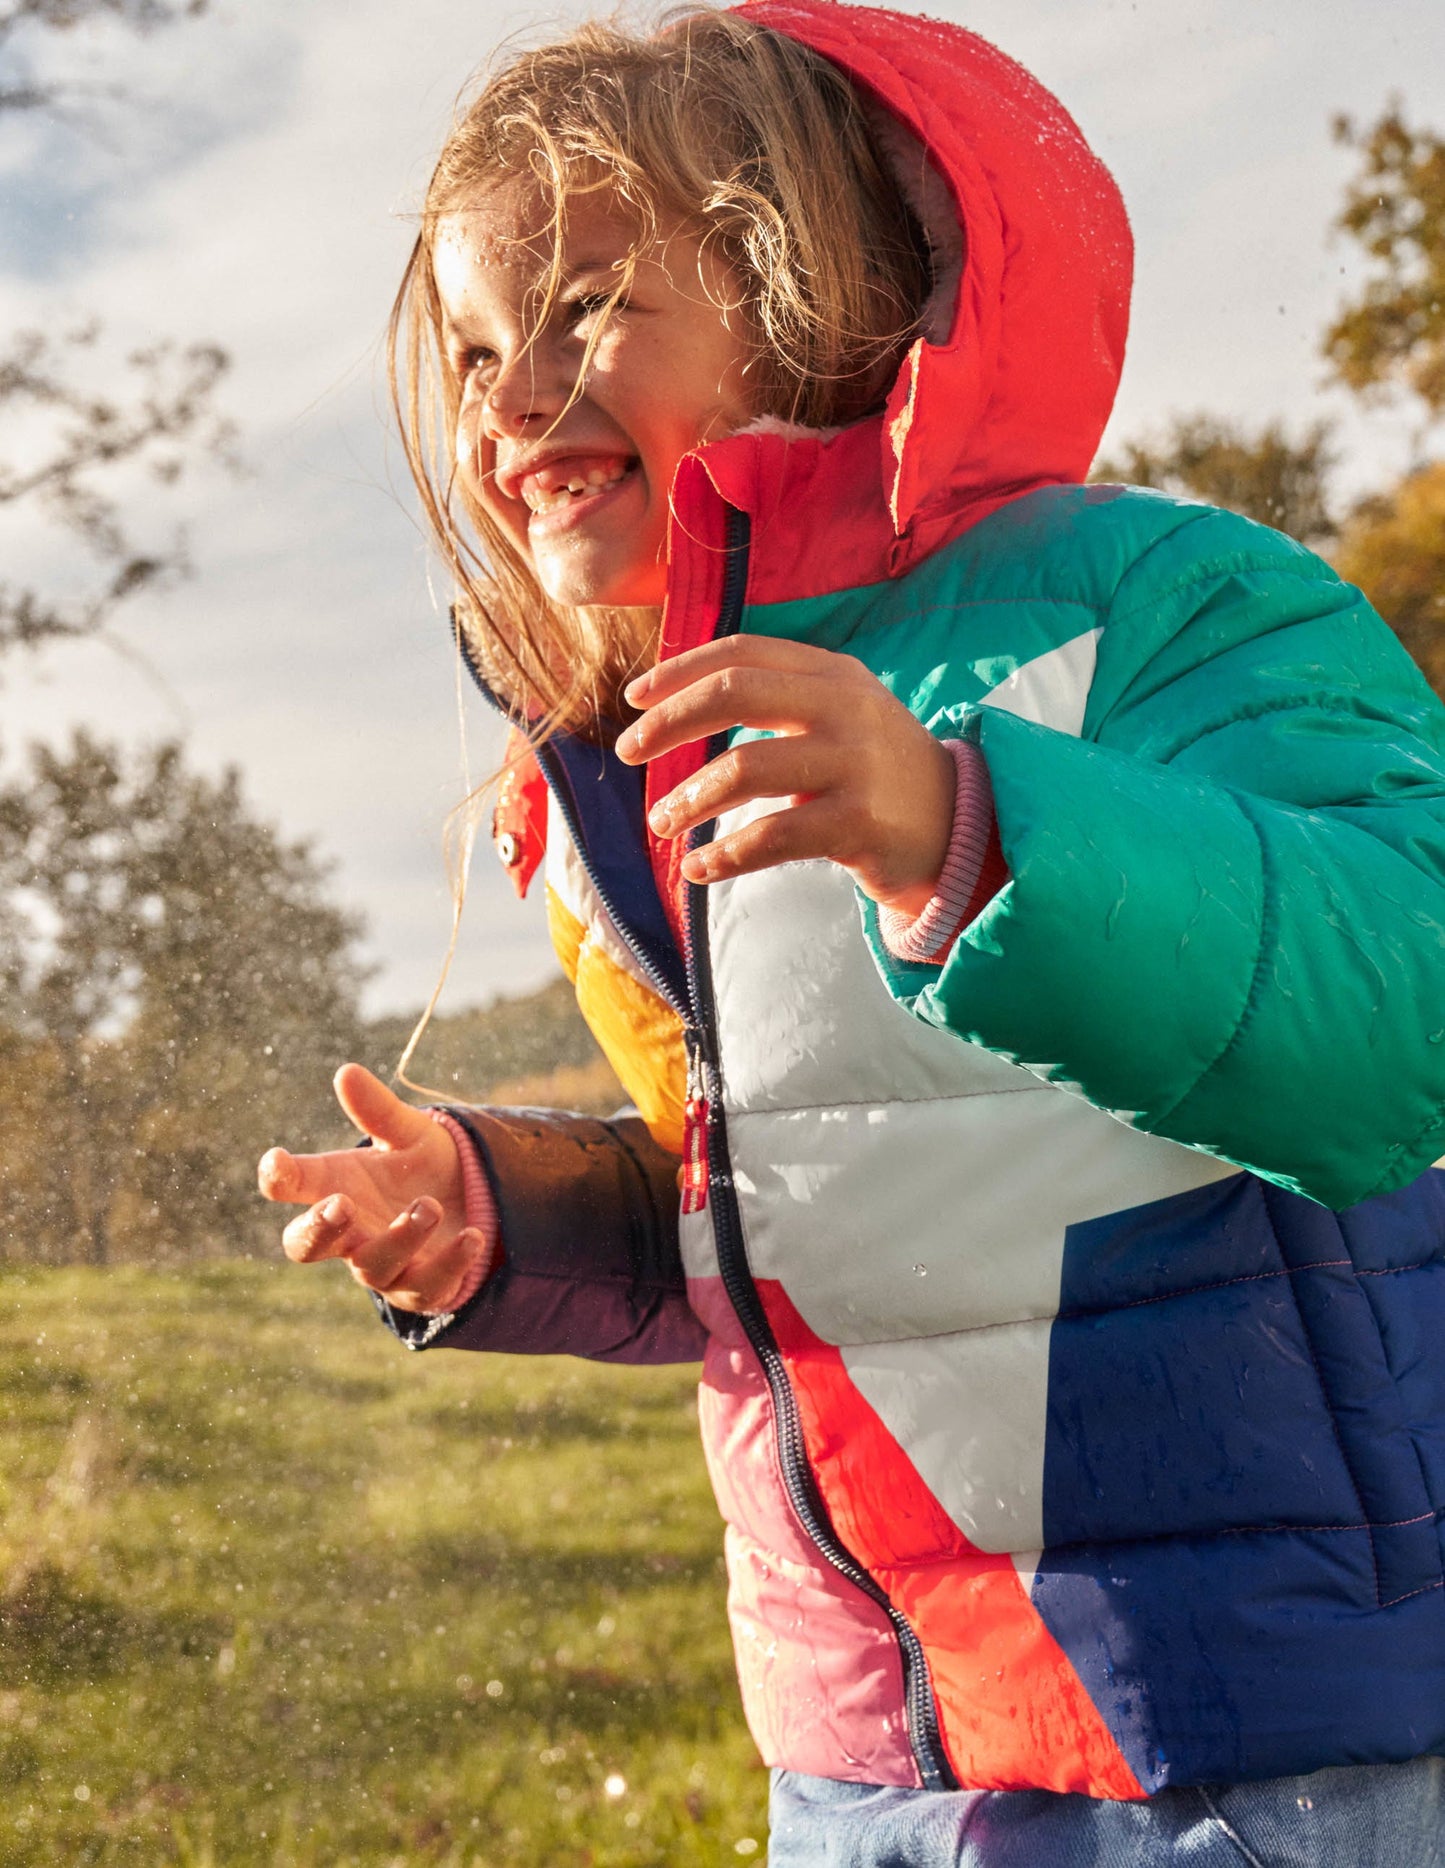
(865, 784)
(396, 1212)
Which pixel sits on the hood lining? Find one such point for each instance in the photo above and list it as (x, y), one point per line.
(933, 207)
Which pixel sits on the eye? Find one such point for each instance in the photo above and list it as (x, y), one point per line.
(584, 305)
(466, 361)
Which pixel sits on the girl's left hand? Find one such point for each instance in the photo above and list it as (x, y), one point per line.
(396, 1212)
(867, 786)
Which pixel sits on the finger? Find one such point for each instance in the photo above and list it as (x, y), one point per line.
(796, 834)
(679, 671)
(777, 700)
(276, 1175)
(800, 766)
(378, 1111)
(319, 1233)
(303, 1180)
(378, 1261)
(429, 1280)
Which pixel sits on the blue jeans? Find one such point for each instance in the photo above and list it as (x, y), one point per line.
(1359, 1816)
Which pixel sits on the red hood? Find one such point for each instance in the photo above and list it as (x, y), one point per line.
(1017, 394)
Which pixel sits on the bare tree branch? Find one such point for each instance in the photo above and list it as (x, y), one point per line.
(23, 22)
(171, 403)
(71, 439)
(165, 421)
(62, 15)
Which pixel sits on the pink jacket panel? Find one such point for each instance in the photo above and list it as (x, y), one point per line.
(818, 1662)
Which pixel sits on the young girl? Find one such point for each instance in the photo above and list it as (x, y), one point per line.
(1015, 910)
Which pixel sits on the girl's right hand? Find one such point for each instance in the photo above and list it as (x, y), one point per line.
(396, 1212)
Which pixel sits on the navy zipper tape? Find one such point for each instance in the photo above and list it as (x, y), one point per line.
(699, 1019)
(560, 783)
(663, 978)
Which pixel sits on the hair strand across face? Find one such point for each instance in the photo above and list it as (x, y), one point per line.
(758, 148)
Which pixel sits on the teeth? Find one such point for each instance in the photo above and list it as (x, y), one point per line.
(543, 499)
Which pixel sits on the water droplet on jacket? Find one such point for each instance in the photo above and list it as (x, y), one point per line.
(920, 1271)
(1436, 1037)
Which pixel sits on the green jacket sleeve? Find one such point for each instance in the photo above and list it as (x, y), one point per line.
(1226, 913)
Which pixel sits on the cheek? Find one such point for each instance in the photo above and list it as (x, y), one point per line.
(475, 458)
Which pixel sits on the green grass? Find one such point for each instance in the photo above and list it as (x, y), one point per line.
(273, 1591)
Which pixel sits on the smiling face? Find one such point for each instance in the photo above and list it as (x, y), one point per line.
(572, 454)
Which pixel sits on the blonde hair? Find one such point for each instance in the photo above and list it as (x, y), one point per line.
(757, 146)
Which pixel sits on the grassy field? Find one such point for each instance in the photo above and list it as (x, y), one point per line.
(273, 1591)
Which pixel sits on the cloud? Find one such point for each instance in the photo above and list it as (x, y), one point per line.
(256, 192)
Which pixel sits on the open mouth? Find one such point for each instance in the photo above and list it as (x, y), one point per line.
(568, 484)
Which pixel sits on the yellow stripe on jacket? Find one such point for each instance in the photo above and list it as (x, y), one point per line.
(638, 1033)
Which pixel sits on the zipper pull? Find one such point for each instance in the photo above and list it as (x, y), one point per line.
(693, 1176)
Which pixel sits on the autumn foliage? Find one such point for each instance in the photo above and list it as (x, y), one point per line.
(1387, 343)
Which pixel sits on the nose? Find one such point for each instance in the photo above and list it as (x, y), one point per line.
(526, 392)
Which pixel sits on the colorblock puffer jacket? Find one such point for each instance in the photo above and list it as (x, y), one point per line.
(1072, 1316)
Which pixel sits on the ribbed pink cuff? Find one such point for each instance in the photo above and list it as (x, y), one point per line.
(481, 1206)
(928, 936)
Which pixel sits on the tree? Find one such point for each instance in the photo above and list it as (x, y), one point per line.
(180, 988)
(1393, 334)
(68, 469)
(70, 447)
(1393, 547)
(24, 22)
(1265, 475)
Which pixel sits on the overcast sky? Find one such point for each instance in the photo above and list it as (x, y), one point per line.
(256, 189)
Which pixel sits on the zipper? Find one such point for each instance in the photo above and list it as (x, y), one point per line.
(705, 1105)
(695, 1179)
(560, 787)
(707, 1176)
